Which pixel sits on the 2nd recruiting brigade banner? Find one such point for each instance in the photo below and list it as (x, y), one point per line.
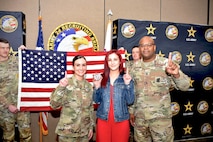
(192, 48)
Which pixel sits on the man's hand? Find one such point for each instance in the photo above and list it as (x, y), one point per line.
(172, 68)
(22, 47)
(132, 119)
(90, 134)
(13, 108)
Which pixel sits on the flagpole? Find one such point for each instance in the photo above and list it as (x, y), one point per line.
(108, 37)
(40, 115)
(39, 8)
(40, 125)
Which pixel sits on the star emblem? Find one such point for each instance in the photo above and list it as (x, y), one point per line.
(191, 81)
(127, 55)
(161, 54)
(12, 53)
(192, 32)
(187, 129)
(190, 57)
(114, 28)
(188, 106)
(151, 30)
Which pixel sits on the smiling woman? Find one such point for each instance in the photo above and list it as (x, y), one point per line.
(74, 96)
(114, 92)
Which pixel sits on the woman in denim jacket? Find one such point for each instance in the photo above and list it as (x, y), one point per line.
(113, 92)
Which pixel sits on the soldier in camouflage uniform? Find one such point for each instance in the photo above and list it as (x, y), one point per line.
(153, 76)
(9, 114)
(74, 97)
(136, 56)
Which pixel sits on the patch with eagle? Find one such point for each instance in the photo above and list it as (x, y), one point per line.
(8, 23)
(73, 37)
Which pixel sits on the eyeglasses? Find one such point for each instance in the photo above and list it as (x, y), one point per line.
(146, 45)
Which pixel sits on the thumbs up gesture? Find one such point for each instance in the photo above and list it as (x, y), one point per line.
(172, 68)
(64, 81)
(127, 78)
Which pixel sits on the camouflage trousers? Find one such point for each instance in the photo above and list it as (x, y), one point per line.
(8, 121)
(156, 130)
(73, 139)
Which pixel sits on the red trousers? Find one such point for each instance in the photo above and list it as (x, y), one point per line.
(111, 131)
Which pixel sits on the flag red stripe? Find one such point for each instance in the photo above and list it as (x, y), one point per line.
(90, 80)
(89, 62)
(88, 71)
(37, 89)
(47, 108)
(86, 53)
(26, 99)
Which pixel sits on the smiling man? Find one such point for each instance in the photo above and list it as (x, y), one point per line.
(151, 113)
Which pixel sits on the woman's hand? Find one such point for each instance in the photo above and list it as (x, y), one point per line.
(97, 78)
(64, 81)
(127, 78)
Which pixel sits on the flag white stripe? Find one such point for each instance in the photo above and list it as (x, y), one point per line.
(89, 67)
(39, 85)
(89, 58)
(35, 104)
(35, 95)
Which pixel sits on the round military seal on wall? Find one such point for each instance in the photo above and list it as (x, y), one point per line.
(207, 83)
(209, 35)
(175, 107)
(171, 32)
(8, 23)
(73, 37)
(206, 128)
(128, 30)
(205, 59)
(176, 57)
(202, 107)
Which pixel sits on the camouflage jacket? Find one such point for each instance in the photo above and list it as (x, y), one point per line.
(8, 82)
(75, 101)
(152, 86)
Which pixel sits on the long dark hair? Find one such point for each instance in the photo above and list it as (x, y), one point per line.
(107, 69)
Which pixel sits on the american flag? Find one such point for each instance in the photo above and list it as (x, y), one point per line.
(42, 70)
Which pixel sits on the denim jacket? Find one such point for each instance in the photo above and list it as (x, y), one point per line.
(123, 96)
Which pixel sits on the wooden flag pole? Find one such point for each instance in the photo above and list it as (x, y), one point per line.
(40, 127)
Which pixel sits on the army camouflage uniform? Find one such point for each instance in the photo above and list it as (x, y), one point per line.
(77, 110)
(8, 96)
(152, 106)
(131, 65)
